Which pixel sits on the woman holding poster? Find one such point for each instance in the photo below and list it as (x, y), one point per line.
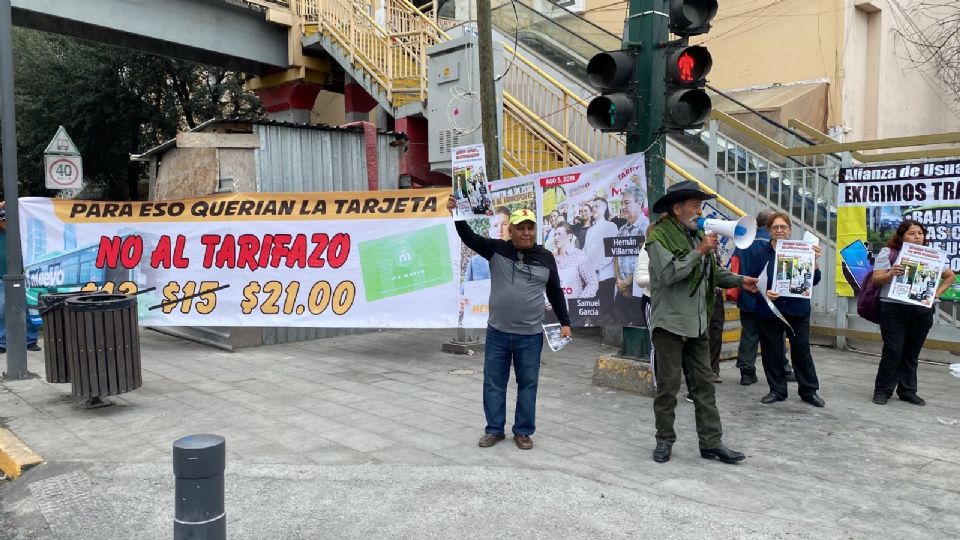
(779, 317)
(903, 325)
(577, 277)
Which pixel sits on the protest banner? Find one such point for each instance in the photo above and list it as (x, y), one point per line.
(874, 200)
(592, 217)
(363, 259)
(470, 189)
(914, 184)
(794, 270)
(922, 269)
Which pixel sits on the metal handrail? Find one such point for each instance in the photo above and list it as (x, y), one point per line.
(520, 113)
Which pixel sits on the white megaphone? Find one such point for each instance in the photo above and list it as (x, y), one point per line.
(742, 231)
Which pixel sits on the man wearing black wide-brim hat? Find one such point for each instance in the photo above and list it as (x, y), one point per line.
(684, 273)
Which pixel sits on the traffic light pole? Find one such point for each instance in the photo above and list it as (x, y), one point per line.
(13, 283)
(647, 28)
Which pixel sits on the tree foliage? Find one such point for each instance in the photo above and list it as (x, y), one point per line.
(113, 102)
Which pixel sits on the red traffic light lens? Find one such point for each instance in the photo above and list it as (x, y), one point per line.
(689, 65)
(685, 66)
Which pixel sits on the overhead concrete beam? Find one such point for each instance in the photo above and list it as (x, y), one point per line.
(214, 32)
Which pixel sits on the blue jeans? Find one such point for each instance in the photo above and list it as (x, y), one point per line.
(501, 350)
(31, 329)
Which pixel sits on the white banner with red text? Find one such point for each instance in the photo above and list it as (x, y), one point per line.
(362, 259)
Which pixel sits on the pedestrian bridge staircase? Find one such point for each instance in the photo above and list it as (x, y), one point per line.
(544, 110)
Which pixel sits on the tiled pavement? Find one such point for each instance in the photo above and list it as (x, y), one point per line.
(375, 436)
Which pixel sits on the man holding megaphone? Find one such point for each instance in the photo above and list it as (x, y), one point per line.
(684, 273)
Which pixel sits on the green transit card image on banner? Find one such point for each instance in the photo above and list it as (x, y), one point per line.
(404, 263)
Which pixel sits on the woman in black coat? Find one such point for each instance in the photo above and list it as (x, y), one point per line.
(772, 330)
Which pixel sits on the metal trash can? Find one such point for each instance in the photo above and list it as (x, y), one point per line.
(636, 342)
(103, 341)
(54, 317)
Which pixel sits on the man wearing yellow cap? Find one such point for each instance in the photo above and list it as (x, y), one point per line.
(520, 271)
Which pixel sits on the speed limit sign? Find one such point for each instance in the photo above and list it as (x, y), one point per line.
(62, 166)
(63, 172)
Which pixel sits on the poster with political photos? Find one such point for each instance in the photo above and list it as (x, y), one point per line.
(470, 187)
(592, 217)
(922, 268)
(794, 270)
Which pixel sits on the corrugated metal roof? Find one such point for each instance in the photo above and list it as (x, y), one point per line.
(293, 160)
(159, 149)
(764, 99)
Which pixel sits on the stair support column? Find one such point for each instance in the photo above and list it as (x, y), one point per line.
(291, 102)
(357, 102)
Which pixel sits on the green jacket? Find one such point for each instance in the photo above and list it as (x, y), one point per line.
(674, 308)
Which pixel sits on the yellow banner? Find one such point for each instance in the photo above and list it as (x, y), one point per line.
(342, 205)
(851, 228)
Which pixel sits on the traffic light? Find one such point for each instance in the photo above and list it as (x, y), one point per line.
(687, 104)
(612, 73)
(691, 17)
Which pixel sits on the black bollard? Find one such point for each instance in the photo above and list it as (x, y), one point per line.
(198, 464)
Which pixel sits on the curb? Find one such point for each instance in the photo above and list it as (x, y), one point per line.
(15, 456)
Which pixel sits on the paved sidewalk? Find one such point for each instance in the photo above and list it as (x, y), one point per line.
(375, 436)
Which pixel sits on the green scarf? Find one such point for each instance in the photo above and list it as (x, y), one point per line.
(673, 236)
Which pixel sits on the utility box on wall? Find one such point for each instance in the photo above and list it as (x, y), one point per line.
(453, 92)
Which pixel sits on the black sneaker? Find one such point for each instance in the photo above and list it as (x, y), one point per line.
(33, 347)
(880, 399)
(3, 350)
(791, 377)
(748, 377)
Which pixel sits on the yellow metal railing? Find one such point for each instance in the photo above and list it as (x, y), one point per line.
(395, 57)
(545, 123)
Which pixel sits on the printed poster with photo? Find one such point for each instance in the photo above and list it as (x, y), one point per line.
(470, 187)
(506, 196)
(593, 218)
(794, 270)
(922, 268)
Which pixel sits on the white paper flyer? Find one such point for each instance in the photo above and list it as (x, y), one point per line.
(554, 339)
(922, 268)
(470, 189)
(795, 265)
(762, 287)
